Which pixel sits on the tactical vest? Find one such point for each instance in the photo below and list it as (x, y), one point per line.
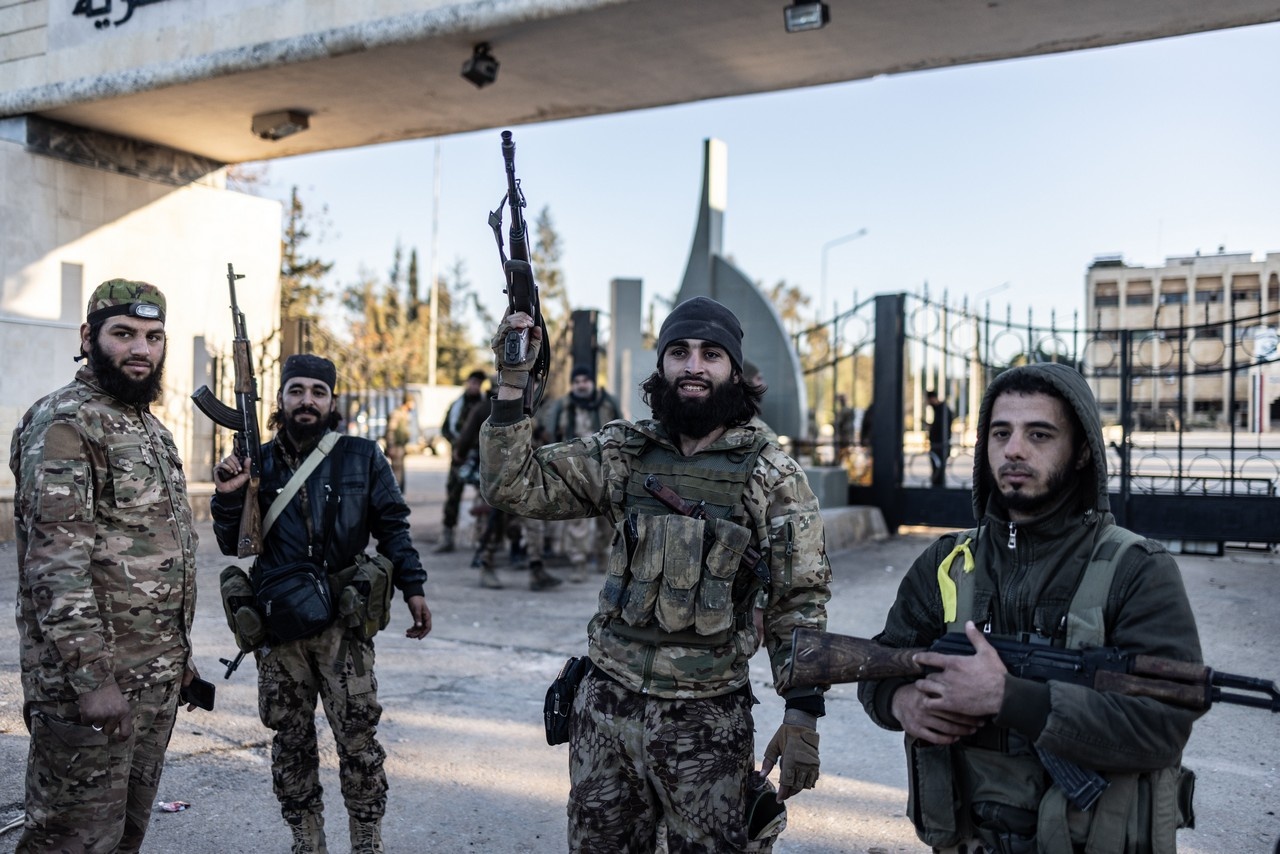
(673, 579)
(1132, 815)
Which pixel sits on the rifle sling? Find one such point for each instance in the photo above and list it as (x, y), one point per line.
(322, 449)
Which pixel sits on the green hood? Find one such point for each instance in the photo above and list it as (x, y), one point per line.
(1075, 389)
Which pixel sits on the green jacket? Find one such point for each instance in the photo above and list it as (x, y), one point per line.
(588, 476)
(1025, 577)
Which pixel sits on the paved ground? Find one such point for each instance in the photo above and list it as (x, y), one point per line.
(470, 771)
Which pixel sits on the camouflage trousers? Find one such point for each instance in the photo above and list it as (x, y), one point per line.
(290, 678)
(638, 763)
(87, 794)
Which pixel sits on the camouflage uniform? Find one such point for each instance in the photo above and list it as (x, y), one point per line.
(106, 592)
(649, 697)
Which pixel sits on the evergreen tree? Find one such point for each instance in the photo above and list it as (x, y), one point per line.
(302, 290)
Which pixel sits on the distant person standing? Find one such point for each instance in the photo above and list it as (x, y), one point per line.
(939, 437)
(582, 412)
(399, 433)
(454, 420)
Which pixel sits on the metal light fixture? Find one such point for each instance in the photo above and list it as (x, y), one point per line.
(799, 17)
(278, 125)
(481, 68)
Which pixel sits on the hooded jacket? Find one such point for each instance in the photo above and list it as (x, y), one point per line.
(1025, 576)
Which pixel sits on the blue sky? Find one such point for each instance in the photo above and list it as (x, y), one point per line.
(966, 178)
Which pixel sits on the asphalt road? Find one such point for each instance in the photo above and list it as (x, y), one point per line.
(469, 769)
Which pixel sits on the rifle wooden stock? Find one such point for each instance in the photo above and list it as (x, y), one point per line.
(824, 658)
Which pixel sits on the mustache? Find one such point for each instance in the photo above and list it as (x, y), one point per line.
(1015, 468)
(308, 409)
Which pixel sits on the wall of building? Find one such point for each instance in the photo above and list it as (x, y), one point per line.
(1196, 305)
(64, 228)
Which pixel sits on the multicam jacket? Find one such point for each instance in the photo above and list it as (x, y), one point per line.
(106, 545)
(588, 476)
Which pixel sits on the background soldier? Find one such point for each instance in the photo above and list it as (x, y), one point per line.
(670, 668)
(106, 583)
(1049, 560)
(399, 433)
(333, 664)
(581, 412)
(454, 420)
(939, 438)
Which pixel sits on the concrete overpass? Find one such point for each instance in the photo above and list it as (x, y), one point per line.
(190, 75)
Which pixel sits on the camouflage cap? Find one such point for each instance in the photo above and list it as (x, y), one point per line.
(121, 296)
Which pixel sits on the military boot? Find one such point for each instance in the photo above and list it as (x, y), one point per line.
(539, 578)
(308, 833)
(446, 542)
(366, 836)
(489, 578)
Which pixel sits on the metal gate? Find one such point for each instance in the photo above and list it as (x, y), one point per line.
(1187, 411)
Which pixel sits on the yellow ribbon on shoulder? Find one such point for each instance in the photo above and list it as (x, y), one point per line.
(946, 586)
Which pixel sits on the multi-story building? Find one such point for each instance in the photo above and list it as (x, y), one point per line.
(1204, 335)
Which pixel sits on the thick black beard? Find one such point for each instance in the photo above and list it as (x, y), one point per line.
(1034, 505)
(302, 435)
(119, 385)
(729, 405)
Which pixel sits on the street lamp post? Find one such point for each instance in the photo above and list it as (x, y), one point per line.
(826, 247)
(822, 299)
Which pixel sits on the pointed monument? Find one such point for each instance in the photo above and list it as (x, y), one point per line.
(764, 340)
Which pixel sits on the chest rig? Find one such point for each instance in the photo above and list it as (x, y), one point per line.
(672, 578)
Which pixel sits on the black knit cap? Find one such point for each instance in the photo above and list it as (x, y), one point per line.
(581, 371)
(309, 366)
(706, 320)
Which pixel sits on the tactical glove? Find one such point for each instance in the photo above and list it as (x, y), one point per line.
(515, 375)
(794, 748)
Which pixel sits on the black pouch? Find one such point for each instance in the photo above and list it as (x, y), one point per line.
(558, 707)
(294, 600)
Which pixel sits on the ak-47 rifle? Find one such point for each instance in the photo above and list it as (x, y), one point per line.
(751, 557)
(244, 420)
(521, 290)
(823, 658)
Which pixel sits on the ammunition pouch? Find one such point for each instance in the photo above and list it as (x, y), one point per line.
(362, 595)
(676, 571)
(241, 609)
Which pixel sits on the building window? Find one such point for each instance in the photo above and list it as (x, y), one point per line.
(1245, 296)
(1106, 300)
(1173, 298)
(1206, 333)
(1138, 299)
(1208, 296)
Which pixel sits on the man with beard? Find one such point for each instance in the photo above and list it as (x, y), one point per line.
(106, 583)
(322, 527)
(1046, 563)
(581, 412)
(454, 422)
(661, 735)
